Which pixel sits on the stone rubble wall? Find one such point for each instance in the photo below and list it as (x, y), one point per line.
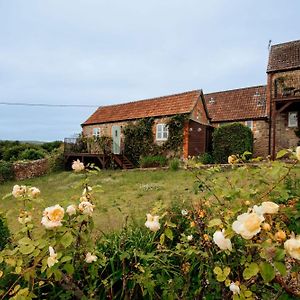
(30, 169)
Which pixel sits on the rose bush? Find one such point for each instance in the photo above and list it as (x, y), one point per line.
(238, 242)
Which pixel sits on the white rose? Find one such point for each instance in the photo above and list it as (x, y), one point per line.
(52, 259)
(292, 247)
(248, 225)
(89, 258)
(86, 208)
(184, 212)
(189, 237)
(298, 152)
(77, 166)
(258, 210)
(232, 159)
(234, 288)
(152, 222)
(222, 242)
(34, 192)
(19, 191)
(270, 207)
(53, 216)
(71, 210)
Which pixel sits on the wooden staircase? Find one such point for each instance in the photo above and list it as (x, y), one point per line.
(122, 161)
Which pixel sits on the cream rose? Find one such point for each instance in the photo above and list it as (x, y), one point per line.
(222, 242)
(292, 247)
(89, 258)
(234, 288)
(298, 152)
(190, 237)
(53, 216)
(71, 210)
(248, 225)
(19, 191)
(270, 207)
(152, 222)
(232, 159)
(34, 192)
(77, 166)
(52, 259)
(86, 208)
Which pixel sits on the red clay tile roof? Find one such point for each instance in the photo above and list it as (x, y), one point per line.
(284, 56)
(240, 104)
(155, 107)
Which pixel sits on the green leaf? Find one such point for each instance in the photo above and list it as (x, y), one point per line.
(26, 249)
(67, 239)
(162, 238)
(69, 268)
(65, 258)
(250, 271)
(218, 270)
(226, 271)
(280, 267)
(267, 272)
(170, 224)
(280, 254)
(281, 153)
(25, 241)
(214, 222)
(169, 233)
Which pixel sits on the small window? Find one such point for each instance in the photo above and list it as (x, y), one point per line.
(96, 132)
(293, 119)
(162, 132)
(249, 124)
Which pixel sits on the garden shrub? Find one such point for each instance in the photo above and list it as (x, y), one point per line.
(50, 146)
(6, 170)
(4, 233)
(205, 158)
(234, 138)
(56, 160)
(153, 161)
(31, 154)
(174, 164)
(12, 153)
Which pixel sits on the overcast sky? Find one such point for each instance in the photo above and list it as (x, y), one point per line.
(104, 52)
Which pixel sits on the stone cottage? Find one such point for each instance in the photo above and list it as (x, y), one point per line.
(110, 120)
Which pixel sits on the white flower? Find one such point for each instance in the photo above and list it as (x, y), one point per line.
(77, 166)
(86, 208)
(89, 258)
(222, 242)
(184, 212)
(292, 247)
(152, 222)
(270, 207)
(86, 190)
(71, 210)
(52, 259)
(53, 216)
(248, 225)
(298, 152)
(258, 210)
(189, 237)
(34, 192)
(19, 191)
(234, 288)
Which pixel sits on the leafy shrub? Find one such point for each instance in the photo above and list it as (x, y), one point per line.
(32, 154)
(4, 233)
(231, 139)
(12, 153)
(50, 146)
(56, 160)
(6, 171)
(174, 164)
(153, 161)
(205, 158)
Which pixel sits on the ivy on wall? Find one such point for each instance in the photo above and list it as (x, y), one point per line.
(139, 140)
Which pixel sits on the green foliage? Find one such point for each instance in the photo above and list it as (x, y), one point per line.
(6, 170)
(31, 154)
(174, 164)
(231, 139)
(12, 153)
(4, 233)
(56, 160)
(205, 158)
(50, 146)
(153, 161)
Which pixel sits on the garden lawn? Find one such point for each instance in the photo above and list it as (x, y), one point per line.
(124, 194)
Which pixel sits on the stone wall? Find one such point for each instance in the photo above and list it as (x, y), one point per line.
(30, 169)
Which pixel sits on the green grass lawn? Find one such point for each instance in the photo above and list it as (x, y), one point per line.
(131, 194)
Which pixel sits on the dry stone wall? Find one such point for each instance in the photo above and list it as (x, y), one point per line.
(30, 169)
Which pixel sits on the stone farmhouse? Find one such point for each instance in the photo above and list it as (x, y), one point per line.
(271, 110)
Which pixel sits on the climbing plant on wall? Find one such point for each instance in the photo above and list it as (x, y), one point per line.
(139, 139)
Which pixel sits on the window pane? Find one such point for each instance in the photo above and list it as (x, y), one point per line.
(159, 135)
(293, 119)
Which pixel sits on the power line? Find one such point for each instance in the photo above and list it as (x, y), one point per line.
(46, 105)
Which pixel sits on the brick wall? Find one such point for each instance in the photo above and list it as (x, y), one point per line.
(24, 170)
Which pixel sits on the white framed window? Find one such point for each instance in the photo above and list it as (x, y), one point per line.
(162, 132)
(293, 119)
(249, 123)
(96, 132)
